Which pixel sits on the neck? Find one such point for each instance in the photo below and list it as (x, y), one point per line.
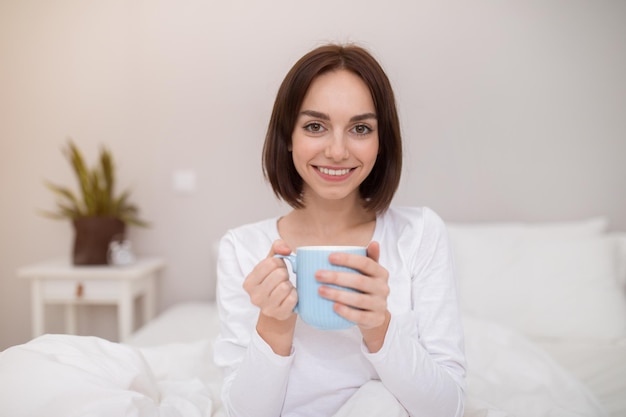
(329, 223)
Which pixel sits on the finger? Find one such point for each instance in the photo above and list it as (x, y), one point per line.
(358, 300)
(362, 266)
(274, 279)
(260, 272)
(282, 294)
(279, 247)
(261, 292)
(283, 304)
(360, 263)
(352, 280)
(263, 270)
(363, 318)
(373, 251)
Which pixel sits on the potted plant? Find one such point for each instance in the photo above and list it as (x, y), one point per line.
(99, 216)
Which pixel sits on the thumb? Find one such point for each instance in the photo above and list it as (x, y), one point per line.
(373, 250)
(279, 247)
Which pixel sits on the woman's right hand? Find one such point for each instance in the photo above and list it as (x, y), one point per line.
(269, 287)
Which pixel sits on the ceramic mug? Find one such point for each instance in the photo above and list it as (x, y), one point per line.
(313, 308)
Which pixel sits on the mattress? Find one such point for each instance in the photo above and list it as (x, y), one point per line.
(181, 323)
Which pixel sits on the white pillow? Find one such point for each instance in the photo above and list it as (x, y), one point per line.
(620, 241)
(544, 283)
(545, 230)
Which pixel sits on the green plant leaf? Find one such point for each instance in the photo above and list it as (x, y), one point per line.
(97, 191)
(82, 173)
(106, 164)
(63, 193)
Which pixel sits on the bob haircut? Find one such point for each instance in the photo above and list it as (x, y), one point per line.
(378, 189)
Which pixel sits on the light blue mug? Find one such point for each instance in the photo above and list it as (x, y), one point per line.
(312, 308)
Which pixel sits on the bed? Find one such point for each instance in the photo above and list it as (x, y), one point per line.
(544, 312)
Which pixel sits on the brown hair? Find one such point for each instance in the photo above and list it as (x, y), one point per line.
(378, 188)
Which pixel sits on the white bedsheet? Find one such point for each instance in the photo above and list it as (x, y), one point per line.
(58, 375)
(602, 367)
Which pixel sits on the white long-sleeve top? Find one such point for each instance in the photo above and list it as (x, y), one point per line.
(422, 361)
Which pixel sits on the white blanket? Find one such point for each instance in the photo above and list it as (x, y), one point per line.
(507, 376)
(508, 373)
(66, 376)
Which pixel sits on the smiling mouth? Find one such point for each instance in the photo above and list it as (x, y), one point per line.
(334, 172)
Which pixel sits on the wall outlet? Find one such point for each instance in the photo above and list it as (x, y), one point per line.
(184, 181)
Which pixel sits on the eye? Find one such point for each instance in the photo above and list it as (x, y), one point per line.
(314, 127)
(362, 129)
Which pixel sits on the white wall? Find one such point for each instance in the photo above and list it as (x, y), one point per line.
(510, 111)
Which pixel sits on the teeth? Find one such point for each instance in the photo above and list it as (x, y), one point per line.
(336, 172)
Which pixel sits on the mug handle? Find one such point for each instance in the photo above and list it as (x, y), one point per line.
(292, 260)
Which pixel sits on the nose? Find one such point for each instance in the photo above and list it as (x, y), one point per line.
(337, 148)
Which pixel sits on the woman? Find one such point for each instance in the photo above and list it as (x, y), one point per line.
(333, 152)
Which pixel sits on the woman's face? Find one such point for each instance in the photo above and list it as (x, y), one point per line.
(335, 139)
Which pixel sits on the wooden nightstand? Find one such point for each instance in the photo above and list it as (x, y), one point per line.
(60, 282)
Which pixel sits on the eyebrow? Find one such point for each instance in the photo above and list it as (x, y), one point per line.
(324, 116)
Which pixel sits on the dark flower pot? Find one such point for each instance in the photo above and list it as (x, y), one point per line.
(92, 236)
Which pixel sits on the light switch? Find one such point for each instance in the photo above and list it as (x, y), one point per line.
(184, 181)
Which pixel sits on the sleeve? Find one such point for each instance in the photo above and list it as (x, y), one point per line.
(255, 378)
(422, 361)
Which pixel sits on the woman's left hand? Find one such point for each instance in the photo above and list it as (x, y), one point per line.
(367, 307)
